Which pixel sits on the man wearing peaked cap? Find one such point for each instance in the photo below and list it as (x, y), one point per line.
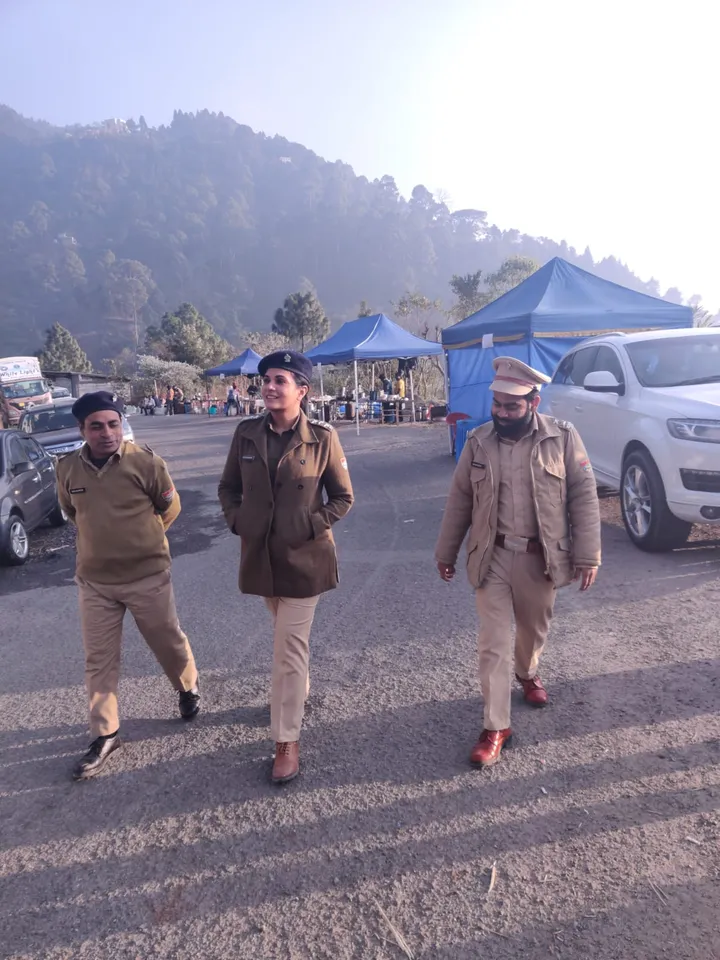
(524, 490)
(122, 501)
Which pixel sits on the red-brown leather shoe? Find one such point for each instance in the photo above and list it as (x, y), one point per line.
(534, 691)
(487, 750)
(287, 762)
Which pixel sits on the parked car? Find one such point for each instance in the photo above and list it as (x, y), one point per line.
(28, 494)
(59, 393)
(54, 426)
(647, 406)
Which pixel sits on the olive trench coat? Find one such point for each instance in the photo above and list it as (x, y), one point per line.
(287, 548)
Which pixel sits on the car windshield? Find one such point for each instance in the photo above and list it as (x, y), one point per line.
(24, 388)
(676, 361)
(45, 421)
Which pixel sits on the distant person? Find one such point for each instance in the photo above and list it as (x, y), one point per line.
(120, 497)
(387, 386)
(284, 485)
(170, 400)
(232, 400)
(400, 387)
(525, 491)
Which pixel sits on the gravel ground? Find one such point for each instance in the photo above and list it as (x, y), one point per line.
(597, 836)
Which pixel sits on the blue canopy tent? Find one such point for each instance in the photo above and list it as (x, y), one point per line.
(371, 338)
(538, 322)
(244, 365)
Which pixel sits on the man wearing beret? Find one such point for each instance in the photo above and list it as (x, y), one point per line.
(284, 485)
(525, 491)
(122, 500)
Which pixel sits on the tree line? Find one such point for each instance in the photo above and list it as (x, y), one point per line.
(107, 229)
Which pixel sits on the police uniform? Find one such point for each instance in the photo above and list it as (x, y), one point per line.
(532, 511)
(122, 509)
(281, 493)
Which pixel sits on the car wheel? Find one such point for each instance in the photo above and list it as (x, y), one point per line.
(647, 518)
(58, 517)
(15, 546)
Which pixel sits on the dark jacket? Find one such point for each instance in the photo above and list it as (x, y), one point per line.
(287, 549)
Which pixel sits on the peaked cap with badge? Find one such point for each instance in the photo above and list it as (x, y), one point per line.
(91, 403)
(289, 360)
(515, 377)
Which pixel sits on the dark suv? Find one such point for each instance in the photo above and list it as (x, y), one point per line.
(28, 494)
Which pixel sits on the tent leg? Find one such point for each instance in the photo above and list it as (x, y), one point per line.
(357, 402)
(322, 394)
(447, 398)
(412, 398)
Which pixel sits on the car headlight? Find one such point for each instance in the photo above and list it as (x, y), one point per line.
(706, 431)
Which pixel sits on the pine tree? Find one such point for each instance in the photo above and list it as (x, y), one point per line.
(63, 352)
(302, 320)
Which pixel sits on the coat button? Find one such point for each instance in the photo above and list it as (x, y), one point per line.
(300, 486)
(302, 462)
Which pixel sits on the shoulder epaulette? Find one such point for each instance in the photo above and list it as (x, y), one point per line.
(321, 423)
(253, 416)
(563, 424)
(148, 449)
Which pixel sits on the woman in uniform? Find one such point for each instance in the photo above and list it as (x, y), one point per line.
(279, 466)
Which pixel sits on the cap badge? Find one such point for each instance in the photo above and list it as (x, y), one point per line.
(287, 358)
(508, 366)
(114, 398)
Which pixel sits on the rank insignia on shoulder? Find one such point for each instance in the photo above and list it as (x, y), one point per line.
(148, 449)
(321, 423)
(563, 424)
(252, 416)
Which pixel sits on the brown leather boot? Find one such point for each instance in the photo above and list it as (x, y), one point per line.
(287, 762)
(534, 691)
(487, 750)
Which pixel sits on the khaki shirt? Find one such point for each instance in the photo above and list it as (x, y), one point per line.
(516, 509)
(121, 512)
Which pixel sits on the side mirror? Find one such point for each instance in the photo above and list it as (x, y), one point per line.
(602, 381)
(23, 467)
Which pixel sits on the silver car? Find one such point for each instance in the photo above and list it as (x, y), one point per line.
(56, 429)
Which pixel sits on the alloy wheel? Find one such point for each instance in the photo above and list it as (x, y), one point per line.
(637, 501)
(19, 543)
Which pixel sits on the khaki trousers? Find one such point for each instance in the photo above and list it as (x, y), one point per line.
(516, 586)
(292, 619)
(151, 602)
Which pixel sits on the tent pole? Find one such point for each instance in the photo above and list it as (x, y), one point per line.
(322, 394)
(447, 397)
(412, 397)
(357, 404)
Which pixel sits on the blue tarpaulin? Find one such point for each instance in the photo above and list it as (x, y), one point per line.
(244, 365)
(539, 321)
(371, 338)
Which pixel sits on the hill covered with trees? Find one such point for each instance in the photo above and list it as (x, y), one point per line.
(104, 229)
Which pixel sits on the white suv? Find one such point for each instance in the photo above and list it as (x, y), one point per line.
(647, 406)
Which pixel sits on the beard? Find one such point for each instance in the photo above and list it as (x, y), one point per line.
(513, 429)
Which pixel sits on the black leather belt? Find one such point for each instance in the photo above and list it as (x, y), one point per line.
(518, 544)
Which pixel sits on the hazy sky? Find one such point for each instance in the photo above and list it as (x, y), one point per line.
(592, 121)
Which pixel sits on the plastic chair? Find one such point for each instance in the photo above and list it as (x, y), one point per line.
(451, 420)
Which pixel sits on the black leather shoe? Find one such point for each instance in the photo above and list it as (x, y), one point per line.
(96, 757)
(189, 701)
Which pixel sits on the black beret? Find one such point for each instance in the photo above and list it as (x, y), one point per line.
(289, 360)
(91, 403)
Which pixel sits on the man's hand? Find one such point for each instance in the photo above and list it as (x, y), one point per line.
(587, 577)
(446, 571)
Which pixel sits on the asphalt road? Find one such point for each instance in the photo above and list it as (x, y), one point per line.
(598, 836)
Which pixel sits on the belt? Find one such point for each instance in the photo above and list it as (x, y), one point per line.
(518, 544)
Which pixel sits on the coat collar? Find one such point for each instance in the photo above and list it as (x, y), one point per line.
(544, 427)
(256, 430)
